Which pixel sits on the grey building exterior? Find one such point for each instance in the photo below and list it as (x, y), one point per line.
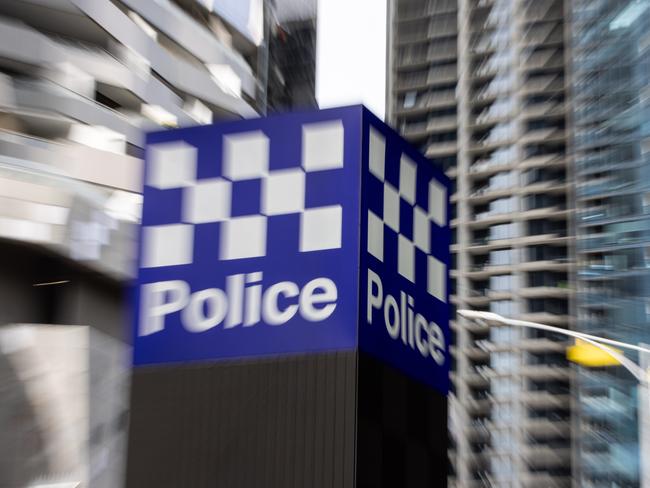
(81, 81)
(292, 66)
(610, 85)
(479, 86)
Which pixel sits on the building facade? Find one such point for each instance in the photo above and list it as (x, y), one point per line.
(479, 86)
(292, 66)
(610, 86)
(81, 81)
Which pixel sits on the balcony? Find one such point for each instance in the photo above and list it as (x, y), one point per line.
(548, 83)
(561, 290)
(475, 407)
(552, 212)
(473, 378)
(544, 427)
(603, 186)
(544, 34)
(481, 4)
(546, 318)
(482, 23)
(424, 103)
(545, 59)
(437, 124)
(486, 69)
(484, 44)
(441, 149)
(489, 116)
(77, 161)
(491, 217)
(549, 109)
(541, 372)
(546, 480)
(544, 160)
(411, 12)
(477, 431)
(483, 244)
(489, 192)
(477, 298)
(422, 57)
(525, 344)
(548, 134)
(557, 264)
(543, 10)
(413, 129)
(546, 399)
(607, 240)
(435, 30)
(485, 167)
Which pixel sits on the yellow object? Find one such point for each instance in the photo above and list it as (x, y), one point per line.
(591, 356)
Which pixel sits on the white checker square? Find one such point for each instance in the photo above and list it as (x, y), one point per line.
(391, 207)
(437, 203)
(167, 245)
(245, 155)
(283, 192)
(322, 145)
(421, 229)
(375, 236)
(171, 165)
(321, 228)
(377, 154)
(207, 201)
(407, 173)
(436, 278)
(243, 237)
(406, 258)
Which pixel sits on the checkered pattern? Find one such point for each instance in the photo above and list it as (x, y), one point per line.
(422, 219)
(173, 166)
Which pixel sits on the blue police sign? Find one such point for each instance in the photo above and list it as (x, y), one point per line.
(404, 257)
(296, 233)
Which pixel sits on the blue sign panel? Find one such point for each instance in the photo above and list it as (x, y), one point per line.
(249, 239)
(404, 257)
(290, 234)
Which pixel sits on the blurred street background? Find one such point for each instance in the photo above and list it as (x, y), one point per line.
(538, 110)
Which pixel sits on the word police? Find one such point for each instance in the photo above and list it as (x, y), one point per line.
(243, 303)
(401, 321)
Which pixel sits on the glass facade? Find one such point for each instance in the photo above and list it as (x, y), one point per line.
(610, 85)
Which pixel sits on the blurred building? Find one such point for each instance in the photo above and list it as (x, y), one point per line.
(292, 56)
(64, 407)
(479, 87)
(611, 88)
(80, 83)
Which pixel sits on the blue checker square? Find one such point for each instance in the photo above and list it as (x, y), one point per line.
(293, 234)
(246, 197)
(406, 219)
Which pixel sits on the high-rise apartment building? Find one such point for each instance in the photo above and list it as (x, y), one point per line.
(610, 53)
(479, 86)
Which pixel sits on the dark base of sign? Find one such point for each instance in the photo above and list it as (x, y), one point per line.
(323, 420)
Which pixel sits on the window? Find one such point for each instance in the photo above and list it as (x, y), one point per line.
(503, 387)
(410, 98)
(502, 257)
(504, 205)
(503, 231)
(505, 179)
(504, 307)
(502, 282)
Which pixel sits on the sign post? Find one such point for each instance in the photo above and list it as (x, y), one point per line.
(291, 310)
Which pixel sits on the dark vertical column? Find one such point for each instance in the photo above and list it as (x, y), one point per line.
(402, 430)
(281, 422)
(336, 420)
